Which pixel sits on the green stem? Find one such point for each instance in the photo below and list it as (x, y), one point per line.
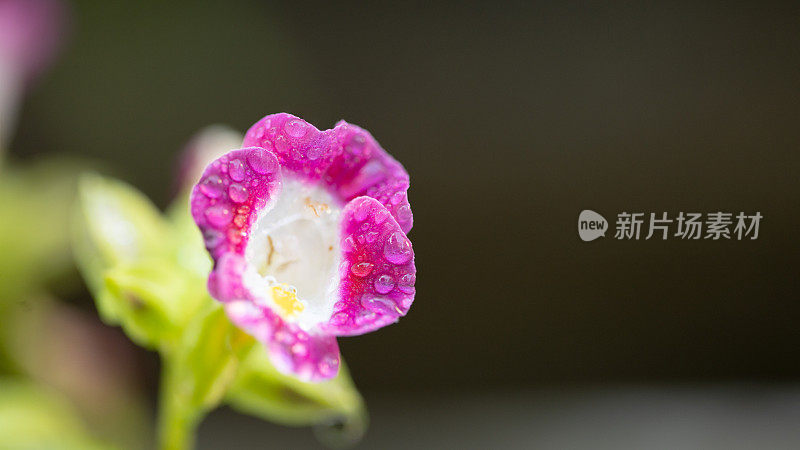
(177, 422)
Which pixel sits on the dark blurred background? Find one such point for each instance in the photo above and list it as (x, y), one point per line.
(511, 119)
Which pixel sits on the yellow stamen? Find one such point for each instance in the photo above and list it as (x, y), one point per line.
(287, 300)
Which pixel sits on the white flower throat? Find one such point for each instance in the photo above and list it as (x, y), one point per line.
(293, 253)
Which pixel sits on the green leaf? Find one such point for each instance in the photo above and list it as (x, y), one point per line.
(33, 417)
(261, 390)
(114, 224)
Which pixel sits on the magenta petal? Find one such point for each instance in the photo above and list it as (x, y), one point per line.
(377, 272)
(347, 158)
(299, 146)
(225, 203)
(364, 168)
(30, 31)
(310, 357)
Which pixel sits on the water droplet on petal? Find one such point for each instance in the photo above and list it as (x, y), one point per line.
(398, 197)
(328, 366)
(361, 269)
(219, 216)
(398, 248)
(238, 193)
(282, 145)
(212, 186)
(407, 283)
(367, 317)
(348, 244)
(380, 216)
(296, 128)
(314, 153)
(384, 284)
(262, 161)
(379, 305)
(236, 170)
(362, 210)
(300, 349)
(403, 213)
(339, 318)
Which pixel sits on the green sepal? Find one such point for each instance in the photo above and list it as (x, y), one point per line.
(152, 300)
(261, 390)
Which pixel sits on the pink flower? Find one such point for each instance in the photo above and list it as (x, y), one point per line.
(307, 230)
(30, 31)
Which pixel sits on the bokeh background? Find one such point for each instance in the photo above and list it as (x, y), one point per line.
(511, 118)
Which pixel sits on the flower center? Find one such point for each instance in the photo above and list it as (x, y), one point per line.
(293, 253)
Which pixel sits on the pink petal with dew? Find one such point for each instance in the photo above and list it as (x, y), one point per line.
(347, 159)
(364, 168)
(225, 204)
(377, 271)
(299, 146)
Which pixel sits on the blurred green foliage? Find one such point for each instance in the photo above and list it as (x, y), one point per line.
(33, 417)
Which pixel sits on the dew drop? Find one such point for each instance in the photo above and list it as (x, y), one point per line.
(218, 216)
(212, 186)
(378, 305)
(300, 349)
(238, 193)
(348, 244)
(296, 128)
(380, 216)
(262, 161)
(236, 170)
(328, 366)
(339, 318)
(314, 153)
(398, 197)
(398, 248)
(361, 269)
(367, 317)
(403, 213)
(407, 282)
(282, 145)
(384, 284)
(362, 210)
